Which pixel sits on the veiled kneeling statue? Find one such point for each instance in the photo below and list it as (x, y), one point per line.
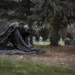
(14, 36)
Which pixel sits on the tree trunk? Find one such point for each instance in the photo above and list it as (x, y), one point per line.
(55, 37)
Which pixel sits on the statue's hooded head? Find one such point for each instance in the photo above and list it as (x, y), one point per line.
(26, 27)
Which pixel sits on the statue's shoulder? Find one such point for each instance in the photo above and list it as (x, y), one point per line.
(15, 24)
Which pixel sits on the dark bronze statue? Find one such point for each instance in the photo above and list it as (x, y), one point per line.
(14, 36)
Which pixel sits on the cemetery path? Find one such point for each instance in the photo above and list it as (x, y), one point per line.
(62, 56)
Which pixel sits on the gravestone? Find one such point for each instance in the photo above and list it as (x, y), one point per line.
(41, 40)
(61, 42)
(72, 43)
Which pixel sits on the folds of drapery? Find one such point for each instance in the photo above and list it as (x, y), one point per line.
(4, 36)
(13, 35)
(19, 41)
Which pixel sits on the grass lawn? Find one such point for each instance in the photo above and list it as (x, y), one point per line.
(18, 67)
(45, 43)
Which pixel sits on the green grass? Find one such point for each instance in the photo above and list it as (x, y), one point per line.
(18, 67)
(45, 43)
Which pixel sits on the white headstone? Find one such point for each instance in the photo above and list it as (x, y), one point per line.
(41, 40)
(48, 40)
(61, 39)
